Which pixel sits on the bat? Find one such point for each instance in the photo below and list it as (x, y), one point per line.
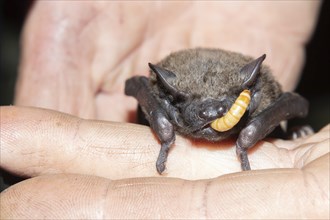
(212, 94)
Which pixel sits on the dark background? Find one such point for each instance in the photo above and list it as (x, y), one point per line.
(314, 84)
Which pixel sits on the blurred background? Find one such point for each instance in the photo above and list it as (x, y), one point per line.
(314, 84)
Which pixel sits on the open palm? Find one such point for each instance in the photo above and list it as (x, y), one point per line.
(76, 56)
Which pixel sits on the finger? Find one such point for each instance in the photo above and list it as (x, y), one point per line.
(53, 71)
(312, 147)
(306, 149)
(285, 193)
(67, 51)
(42, 142)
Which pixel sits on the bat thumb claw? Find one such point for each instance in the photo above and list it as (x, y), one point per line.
(160, 164)
(160, 168)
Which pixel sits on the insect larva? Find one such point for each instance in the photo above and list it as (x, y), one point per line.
(232, 117)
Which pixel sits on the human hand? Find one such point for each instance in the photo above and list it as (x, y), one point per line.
(79, 170)
(72, 63)
(76, 56)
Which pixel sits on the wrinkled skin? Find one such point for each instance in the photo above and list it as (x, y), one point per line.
(76, 58)
(91, 173)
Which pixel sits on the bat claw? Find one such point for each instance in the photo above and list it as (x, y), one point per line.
(246, 166)
(160, 167)
(162, 158)
(160, 164)
(243, 158)
(300, 131)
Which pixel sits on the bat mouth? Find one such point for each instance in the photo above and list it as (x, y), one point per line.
(205, 125)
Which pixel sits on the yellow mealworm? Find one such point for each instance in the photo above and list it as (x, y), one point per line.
(232, 117)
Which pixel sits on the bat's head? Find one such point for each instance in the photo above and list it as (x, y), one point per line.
(198, 107)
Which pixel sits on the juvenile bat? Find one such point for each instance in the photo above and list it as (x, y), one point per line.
(213, 94)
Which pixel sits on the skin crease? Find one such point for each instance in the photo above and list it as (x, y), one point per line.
(96, 169)
(122, 38)
(80, 170)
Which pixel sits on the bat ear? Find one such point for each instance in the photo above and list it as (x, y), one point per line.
(251, 70)
(164, 76)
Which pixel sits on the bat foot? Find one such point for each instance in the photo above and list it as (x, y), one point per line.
(300, 131)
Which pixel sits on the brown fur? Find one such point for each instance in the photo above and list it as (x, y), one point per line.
(215, 73)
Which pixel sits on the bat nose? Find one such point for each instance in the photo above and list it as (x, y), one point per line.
(207, 113)
(212, 112)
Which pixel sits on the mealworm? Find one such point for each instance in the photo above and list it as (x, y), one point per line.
(235, 113)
